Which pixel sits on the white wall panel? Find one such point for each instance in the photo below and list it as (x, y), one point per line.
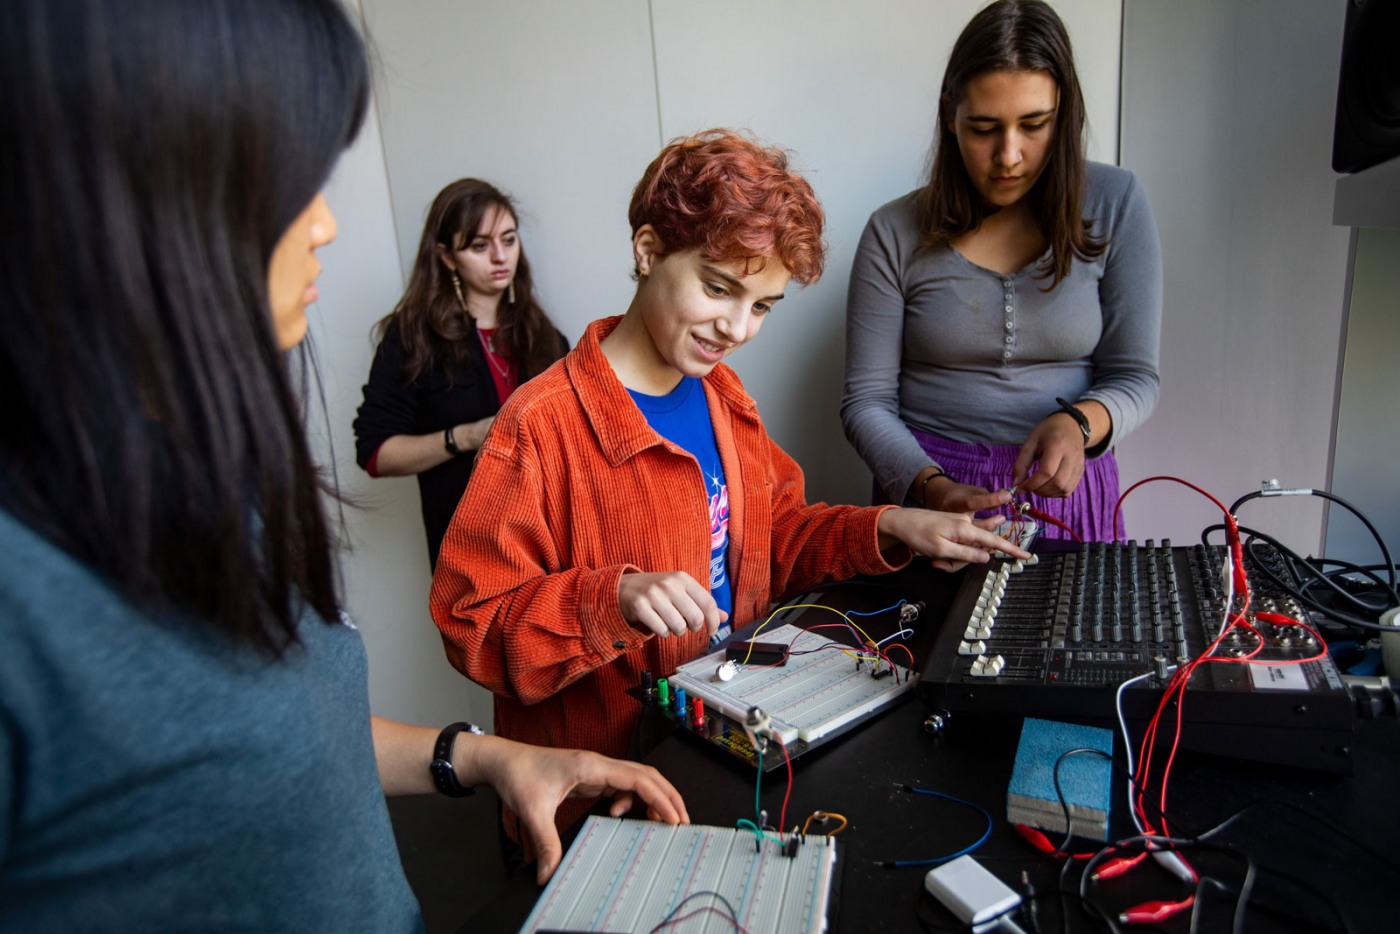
(385, 567)
(1227, 119)
(1366, 468)
(554, 101)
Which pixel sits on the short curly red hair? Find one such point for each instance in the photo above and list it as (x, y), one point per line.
(734, 199)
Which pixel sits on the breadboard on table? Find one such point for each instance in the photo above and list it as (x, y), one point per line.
(631, 875)
(808, 699)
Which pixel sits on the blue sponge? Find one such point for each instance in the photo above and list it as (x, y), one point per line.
(1084, 778)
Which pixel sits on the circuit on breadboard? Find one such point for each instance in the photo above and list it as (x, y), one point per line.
(816, 691)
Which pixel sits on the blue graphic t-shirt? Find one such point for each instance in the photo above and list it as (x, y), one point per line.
(683, 418)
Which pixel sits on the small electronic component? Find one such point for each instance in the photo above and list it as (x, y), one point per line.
(727, 671)
(758, 653)
(758, 726)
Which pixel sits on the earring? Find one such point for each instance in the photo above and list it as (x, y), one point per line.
(457, 287)
(510, 293)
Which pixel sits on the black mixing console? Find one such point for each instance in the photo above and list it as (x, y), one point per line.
(1054, 637)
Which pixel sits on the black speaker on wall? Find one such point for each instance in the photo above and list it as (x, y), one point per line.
(1368, 93)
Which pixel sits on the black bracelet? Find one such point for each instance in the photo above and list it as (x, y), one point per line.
(923, 487)
(444, 776)
(1079, 417)
(450, 443)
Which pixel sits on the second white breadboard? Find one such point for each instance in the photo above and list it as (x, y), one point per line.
(811, 697)
(629, 875)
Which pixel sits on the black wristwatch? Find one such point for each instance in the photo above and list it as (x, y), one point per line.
(444, 776)
(1079, 417)
(450, 443)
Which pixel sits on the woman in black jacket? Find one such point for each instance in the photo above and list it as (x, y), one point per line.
(466, 333)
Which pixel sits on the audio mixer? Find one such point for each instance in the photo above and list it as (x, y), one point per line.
(1054, 637)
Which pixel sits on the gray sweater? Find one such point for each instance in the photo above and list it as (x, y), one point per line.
(935, 342)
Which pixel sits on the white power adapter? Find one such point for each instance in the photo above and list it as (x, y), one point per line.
(969, 891)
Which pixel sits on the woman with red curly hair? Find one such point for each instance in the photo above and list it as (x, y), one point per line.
(628, 507)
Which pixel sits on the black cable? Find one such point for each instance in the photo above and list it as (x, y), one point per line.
(1301, 591)
(1388, 566)
(1320, 575)
(1298, 592)
(1345, 569)
(733, 915)
(1374, 854)
(1331, 497)
(1060, 794)
(1244, 899)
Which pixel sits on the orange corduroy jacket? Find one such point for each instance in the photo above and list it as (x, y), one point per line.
(572, 489)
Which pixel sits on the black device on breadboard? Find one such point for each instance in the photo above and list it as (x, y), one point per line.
(1055, 637)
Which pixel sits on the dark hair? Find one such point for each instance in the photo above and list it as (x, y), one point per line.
(1013, 35)
(155, 151)
(735, 199)
(432, 324)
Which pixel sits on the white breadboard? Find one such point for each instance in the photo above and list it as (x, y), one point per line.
(631, 875)
(808, 699)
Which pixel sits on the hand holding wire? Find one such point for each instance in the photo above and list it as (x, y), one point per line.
(1055, 448)
(951, 539)
(951, 496)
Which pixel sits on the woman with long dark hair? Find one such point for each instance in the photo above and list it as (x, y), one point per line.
(186, 741)
(1003, 320)
(466, 333)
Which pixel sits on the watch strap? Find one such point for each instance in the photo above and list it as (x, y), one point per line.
(444, 776)
(450, 443)
(1079, 417)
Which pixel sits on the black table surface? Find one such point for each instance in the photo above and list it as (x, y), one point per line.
(1322, 844)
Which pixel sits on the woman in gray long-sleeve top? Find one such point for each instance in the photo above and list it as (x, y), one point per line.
(1003, 320)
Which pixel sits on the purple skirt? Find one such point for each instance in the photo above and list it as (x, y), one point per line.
(1088, 510)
